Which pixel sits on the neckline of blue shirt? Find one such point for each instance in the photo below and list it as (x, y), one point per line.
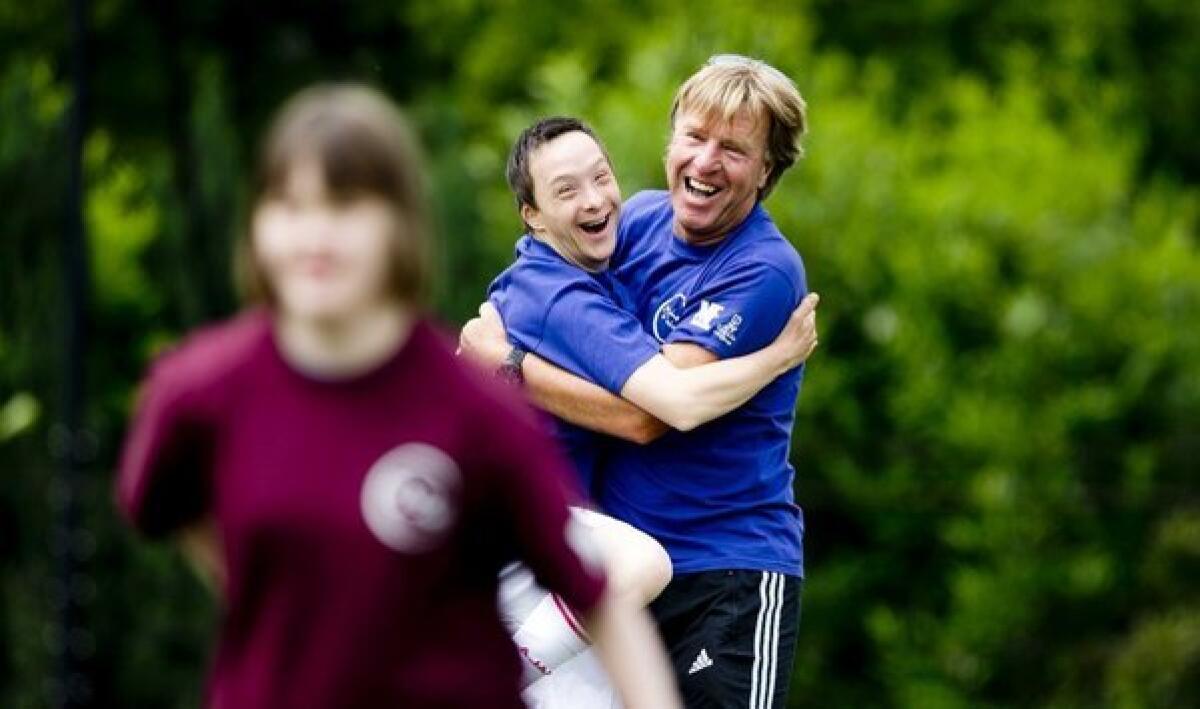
(698, 253)
(533, 247)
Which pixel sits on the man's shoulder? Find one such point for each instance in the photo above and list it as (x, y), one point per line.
(528, 288)
(646, 220)
(541, 265)
(537, 265)
(649, 199)
(647, 205)
(764, 244)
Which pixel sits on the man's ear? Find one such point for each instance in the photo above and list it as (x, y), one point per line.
(532, 216)
(762, 180)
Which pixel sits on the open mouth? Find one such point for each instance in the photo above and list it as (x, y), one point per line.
(597, 226)
(699, 188)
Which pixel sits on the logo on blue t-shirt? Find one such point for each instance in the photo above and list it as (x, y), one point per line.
(708, 312)
(668, 315)
(727, 333)
(671, 312)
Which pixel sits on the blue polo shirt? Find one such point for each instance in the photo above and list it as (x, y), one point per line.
(720, 496)
(578, 320)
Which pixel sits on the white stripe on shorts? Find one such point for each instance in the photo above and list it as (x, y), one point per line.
(766, 640)
(770, 695)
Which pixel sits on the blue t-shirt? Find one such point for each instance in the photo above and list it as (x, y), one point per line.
(578, 320)
(720, 496)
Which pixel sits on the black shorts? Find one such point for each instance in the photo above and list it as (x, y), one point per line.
(731, 636)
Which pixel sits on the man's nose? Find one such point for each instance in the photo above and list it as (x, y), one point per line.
(709, 156)
(592, 199)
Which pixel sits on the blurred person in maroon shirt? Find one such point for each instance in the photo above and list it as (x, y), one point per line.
(352, 487)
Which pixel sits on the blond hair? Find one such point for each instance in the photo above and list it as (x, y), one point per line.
(363, 146)
(730, 83)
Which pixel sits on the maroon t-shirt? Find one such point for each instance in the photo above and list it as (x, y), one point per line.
(363, 521)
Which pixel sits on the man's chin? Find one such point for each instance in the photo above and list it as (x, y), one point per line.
(696, 215)
(598, 261)
(694, 228)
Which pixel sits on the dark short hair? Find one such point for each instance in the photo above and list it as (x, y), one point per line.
(363, 146)
(520, 181)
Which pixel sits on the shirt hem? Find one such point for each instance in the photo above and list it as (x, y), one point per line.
(789, 569)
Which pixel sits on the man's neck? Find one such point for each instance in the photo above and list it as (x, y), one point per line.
(702, 241)
(344, 347)
(706, 240)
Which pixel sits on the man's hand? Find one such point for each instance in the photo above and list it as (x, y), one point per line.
(798, 338)
(483, 339)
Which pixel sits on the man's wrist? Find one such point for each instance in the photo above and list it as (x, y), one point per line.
(510, 369)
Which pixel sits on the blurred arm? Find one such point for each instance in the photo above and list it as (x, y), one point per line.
(201, 549)
(631, 651)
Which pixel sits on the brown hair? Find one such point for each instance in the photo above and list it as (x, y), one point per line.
(363, 145)
(729, 83)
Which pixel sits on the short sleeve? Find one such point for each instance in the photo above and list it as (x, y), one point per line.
(587, 333)
(533, 484)
(162, 479)
(740, 311)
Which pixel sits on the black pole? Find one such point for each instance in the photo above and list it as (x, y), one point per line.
(71, 444)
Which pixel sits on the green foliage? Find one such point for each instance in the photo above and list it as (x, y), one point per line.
(999, 336)
(996, 442)
(18, 415)
(123, 218)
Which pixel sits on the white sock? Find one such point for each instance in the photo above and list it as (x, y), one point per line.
(550, 636)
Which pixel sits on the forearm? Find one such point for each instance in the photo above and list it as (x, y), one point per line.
(585, 404)
(687, 397)
(632, 653)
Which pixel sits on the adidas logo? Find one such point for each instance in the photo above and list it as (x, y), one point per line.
(702, 662)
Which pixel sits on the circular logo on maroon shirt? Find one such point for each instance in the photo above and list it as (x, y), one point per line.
(410, 497)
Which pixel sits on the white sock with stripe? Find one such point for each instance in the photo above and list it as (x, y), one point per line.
(548, 637)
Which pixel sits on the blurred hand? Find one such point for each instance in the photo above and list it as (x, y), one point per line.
(202, 549)
(483, 340)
